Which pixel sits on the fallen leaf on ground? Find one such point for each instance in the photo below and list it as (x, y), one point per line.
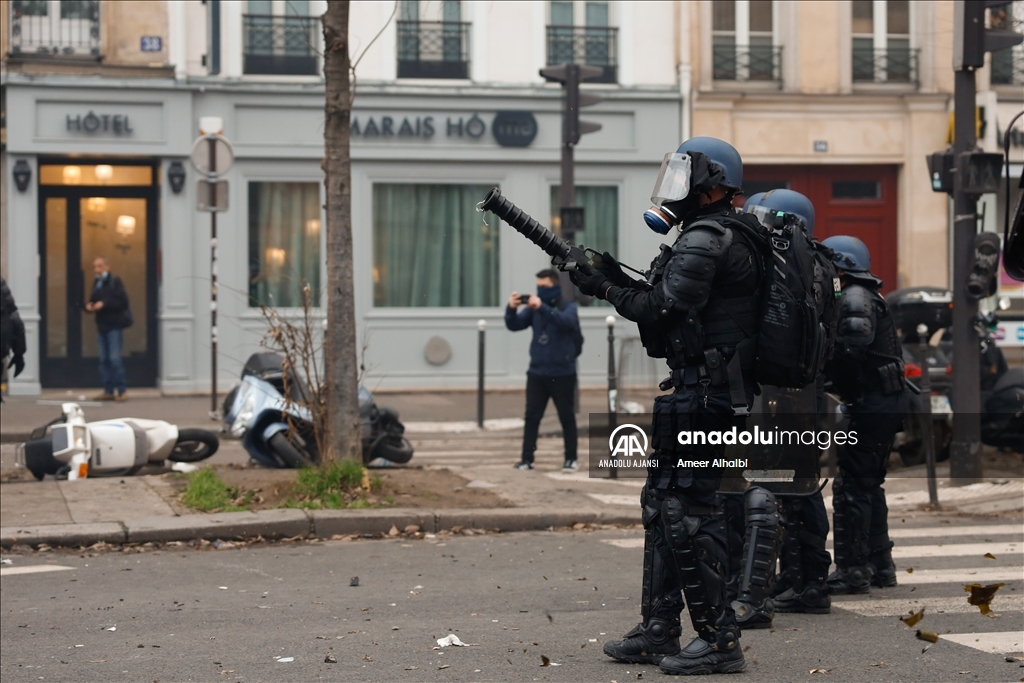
(354, 581)
(411, 668)
(989, 556)
(929, 636)
(367, 658)
(912, 619)
(820, 671)
(910, 570)
(444, 666)
(330, 659)
(450, 639)
(981, 596)
(394, 531)
(96, 661)
(546, 661)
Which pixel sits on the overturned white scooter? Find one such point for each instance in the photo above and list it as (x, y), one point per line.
(69, 446)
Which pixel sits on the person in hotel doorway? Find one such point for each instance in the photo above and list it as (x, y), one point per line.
(556, 343)
(109, 302)
(12, 337)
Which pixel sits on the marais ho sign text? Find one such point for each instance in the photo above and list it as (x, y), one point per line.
(509, 128)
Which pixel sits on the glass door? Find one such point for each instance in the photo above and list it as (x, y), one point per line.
(86, 215)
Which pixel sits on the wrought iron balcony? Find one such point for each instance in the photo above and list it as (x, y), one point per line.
(433, 49)
(886, 65)
(1008, 67)
(280, 45)
(589, 45)
(749, 63)
(37, 31)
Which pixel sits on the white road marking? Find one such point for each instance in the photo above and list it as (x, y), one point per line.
(893, 608)
(946, 530)
(1003, 642)
(983, 575)
(34, 569)
(1012, 549)
(625, 542)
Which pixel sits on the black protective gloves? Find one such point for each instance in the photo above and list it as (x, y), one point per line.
(592, 283)
(611, 269)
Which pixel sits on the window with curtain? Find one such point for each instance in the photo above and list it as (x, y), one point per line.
(431, 248)
(600, 218)
(742, 41)
(284, 243)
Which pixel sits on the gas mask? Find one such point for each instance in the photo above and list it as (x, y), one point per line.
(676, 195)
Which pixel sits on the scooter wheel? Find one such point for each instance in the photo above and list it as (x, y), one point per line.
(288, 453)
(397, 449)
(194, 445)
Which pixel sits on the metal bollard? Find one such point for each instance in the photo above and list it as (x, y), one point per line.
(926, 422)
(613, 472)
(481, 326)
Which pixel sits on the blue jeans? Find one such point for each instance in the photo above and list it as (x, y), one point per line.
(111, 367)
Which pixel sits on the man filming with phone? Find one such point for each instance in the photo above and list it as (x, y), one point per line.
(556, 343)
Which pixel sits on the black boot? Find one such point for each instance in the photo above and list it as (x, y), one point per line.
(660, 600)
(811, 599)
(850, 529)
(716, 649)
(883, 570)
(753, 605)
(724, 656)
(646, 644)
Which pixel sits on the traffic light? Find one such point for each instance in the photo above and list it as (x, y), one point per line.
(971, 40)
(570, 76)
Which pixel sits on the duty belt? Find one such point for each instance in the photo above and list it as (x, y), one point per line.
(713, 374)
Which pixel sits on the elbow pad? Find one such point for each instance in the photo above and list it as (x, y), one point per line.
(856, 317)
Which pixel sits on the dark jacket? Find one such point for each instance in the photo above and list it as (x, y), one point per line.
(553, 349)
(12, 329)
(115, 314)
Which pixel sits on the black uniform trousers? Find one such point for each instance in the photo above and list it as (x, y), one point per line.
(875, 419)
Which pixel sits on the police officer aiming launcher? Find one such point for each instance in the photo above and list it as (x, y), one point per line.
(697, 308)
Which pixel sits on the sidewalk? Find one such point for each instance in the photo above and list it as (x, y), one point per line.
(21, 414)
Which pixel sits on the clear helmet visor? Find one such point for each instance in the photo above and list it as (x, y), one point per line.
(771, 218)
(673, 181)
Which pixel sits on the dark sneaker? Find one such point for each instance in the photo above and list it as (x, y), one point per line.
(570, 466)
(701, 657)
(750, 616)
(523, 465)
(646, 645)
(813, 599)
(883, 573)
(851, 581)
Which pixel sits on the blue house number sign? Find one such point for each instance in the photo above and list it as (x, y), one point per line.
(151, 44)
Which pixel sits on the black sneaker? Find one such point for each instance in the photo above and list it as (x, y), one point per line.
(570, 466)
(646, 645)
(701, 657)
(851, 581)
(750, 616)
(812, 599)
(523, 465)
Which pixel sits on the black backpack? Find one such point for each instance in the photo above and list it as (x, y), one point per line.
(799, 304)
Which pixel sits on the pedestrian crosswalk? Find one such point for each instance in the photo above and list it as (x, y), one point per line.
(936, 560)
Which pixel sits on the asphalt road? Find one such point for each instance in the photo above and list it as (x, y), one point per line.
(229, 615)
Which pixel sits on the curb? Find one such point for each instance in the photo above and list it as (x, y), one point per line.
(289, 523)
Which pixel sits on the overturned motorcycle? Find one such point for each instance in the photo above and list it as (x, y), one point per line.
(69, 446)
(276, 429)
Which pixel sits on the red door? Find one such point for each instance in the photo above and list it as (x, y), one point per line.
(848, 200)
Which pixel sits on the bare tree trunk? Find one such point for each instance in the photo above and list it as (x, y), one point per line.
(344, 440)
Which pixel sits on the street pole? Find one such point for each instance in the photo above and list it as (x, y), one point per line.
(926, 414)
(212, 180)
(481, 326)
(613, 390)
(965, 451)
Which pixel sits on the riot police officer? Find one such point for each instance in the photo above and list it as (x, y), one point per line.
(804, 561)
(867, 374)
(698, 310)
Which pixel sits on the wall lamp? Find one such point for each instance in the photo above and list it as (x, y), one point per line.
(176, 176)
(22, 174)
